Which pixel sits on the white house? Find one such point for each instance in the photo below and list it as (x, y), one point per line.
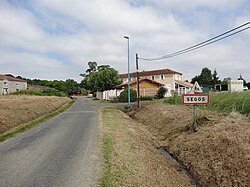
(9, 84)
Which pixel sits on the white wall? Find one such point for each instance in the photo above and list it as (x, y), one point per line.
(11, 86)
(235, 85)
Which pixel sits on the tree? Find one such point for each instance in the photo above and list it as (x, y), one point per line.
(104, 80)
(244, 82)
(204, 79)
(215, 79)
(161, 92)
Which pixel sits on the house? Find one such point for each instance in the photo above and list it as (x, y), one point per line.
(148, 87)
(10, 84)
(171, 80)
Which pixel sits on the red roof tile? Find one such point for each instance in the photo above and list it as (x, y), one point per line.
(9, 78)
(188, 84)
(152, 72)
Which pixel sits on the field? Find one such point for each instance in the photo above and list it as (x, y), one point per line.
(217, 155)
(17, 110)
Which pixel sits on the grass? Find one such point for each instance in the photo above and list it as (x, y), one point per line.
(47, 92)
(223, 102)
(108, 148)
(34, 123)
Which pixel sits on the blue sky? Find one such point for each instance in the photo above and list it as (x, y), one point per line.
(54, 39)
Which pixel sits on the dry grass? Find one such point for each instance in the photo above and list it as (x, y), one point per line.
(131, 158)
(17, 110)
(218, 154)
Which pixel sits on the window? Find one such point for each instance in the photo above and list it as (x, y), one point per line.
(162, 77)
(153, 77)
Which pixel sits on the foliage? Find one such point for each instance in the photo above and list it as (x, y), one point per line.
(146, 98)
(215, 79)
(175, 100)
(224, 102)
(204, 79)
(99, 78)
(229, 102)
(124, 96)
(161, 92)
(47, 92)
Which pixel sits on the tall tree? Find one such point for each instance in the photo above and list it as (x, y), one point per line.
(215, 79)
(205, 77)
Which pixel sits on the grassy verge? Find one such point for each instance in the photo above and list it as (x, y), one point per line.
(224, 102)
(130, 156)
(33, 123)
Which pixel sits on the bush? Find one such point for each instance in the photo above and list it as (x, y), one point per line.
(161, 92)
(175, 100)
(47, 92)
(145, 98)
(114, 100)
(124, 96)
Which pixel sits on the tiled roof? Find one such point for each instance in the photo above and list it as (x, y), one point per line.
(9, 78)
(152, 72)
(133, 82)
(188, 84)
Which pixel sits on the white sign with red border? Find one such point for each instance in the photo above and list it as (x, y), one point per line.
(193, 99)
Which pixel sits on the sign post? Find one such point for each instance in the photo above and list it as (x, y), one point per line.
(195, 99)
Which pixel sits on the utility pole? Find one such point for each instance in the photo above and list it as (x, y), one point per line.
(137, 80)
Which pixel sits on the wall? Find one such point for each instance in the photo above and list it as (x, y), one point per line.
(235, 85)
(11, 86)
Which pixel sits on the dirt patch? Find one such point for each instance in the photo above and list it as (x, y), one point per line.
(134, 160)
(217, 155)
(16, 110)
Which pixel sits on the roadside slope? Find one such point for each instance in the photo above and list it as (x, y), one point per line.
(17, 110)
(131, 157)
(217, 155)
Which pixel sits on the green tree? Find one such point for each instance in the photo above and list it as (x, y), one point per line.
(161, 92)
(107, 79)
(204, 79)
(244, 81)
(215, 79)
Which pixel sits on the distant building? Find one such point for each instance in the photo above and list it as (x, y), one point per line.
(9, 84)
(235, 85)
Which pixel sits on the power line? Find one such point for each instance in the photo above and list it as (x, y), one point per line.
(201, 44)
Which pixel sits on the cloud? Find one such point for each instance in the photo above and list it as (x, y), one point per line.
(52, 39)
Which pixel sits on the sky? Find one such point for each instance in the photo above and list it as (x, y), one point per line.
(55, 39)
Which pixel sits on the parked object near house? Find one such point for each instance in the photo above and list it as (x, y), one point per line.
(235, 85)
(9, 84)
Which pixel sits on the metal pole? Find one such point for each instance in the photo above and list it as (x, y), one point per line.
(137, 80)
(126, 37)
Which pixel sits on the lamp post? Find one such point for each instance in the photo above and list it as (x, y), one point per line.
(126, 37)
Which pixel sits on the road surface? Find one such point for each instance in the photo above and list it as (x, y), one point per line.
(61, 152)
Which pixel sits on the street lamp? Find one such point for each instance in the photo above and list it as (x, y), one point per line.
(126, 37)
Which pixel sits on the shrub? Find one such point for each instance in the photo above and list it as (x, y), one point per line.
(145, 98)
(124, 96)
(161, 92)
(175, 100)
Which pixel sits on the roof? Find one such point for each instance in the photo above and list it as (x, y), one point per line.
(187, 84)
(133, 82)
(10, 78)
(152, 72)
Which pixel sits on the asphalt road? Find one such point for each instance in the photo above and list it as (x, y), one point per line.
(61, 152)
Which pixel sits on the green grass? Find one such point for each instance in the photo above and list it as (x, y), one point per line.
(108, 148)
(47, 92)
(34, 123)
(224, 102)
